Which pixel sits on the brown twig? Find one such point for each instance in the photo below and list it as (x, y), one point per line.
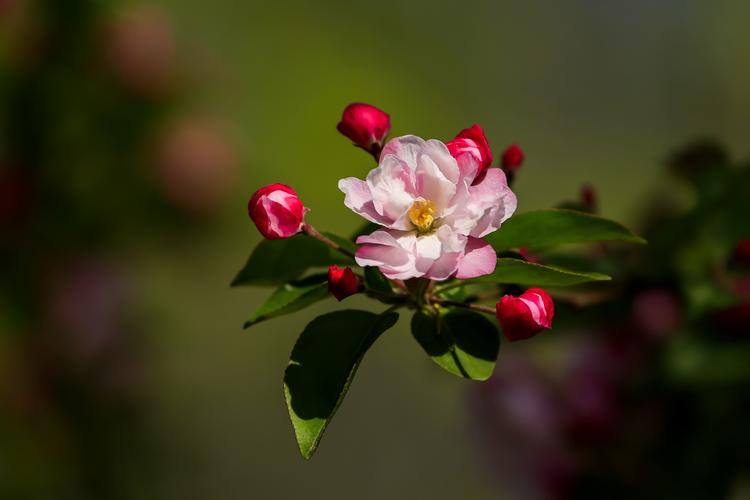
(311, 231)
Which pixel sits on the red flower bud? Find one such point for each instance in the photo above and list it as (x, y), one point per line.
(342, 282)
(524, 316)
(365, 125)
(588, 198)
(512, 158)
(741, 253)
(472, 141)
(276, 211)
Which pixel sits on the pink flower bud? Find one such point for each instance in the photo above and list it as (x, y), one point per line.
(276, 211)
(512, 158)
(524, 316)
(342, 282)
(472, 141)
(367, 126)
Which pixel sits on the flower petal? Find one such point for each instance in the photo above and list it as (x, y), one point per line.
(432, 185)
(407, 148)
(479, 259)
(442, 158)
(392, 188)
(391, 251)
(438, 254)
(359, 199)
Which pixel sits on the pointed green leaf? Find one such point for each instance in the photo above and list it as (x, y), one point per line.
(322, 366)
(274, 262)
(520, 272)
(463, 342)
(291, 297)
(366, 228)
(543, 229)
(375, 280)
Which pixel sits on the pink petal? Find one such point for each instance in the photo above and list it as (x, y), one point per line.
(444, 267)
(394, 256)
(495, 200)
(407, 148)
(432, 185)
(392, 188)
(359, 199)
(479, 259)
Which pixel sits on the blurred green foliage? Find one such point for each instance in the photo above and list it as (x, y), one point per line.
(593, 91)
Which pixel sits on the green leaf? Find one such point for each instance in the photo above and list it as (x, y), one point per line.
(542, 229)
(463, 342)
(274, 262)
(322, 366)
(291, 297)
(520, 272)
(375, 280)
(366, 228)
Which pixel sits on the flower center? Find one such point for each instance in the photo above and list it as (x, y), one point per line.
(421, 214)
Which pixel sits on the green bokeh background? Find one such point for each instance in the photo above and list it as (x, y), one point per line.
(594, 91)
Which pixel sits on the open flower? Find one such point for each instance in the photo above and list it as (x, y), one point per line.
(432, 215)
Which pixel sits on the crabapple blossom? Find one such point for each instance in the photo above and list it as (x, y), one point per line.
(432, 214)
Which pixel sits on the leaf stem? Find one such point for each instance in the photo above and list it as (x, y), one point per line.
(311, 231)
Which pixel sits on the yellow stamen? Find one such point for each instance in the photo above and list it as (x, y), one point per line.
(421, 214)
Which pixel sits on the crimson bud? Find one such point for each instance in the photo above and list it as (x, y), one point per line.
(366, 126)
(524, 316)
(512, 158)
(342, 282)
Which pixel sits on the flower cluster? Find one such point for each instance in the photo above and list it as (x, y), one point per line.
(433, 203)
(440, 237)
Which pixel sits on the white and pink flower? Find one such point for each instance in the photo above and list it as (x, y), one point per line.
(433, 218)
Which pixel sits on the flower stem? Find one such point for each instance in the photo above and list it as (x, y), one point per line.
(474, 307)
(417, 288)
(311, 231)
